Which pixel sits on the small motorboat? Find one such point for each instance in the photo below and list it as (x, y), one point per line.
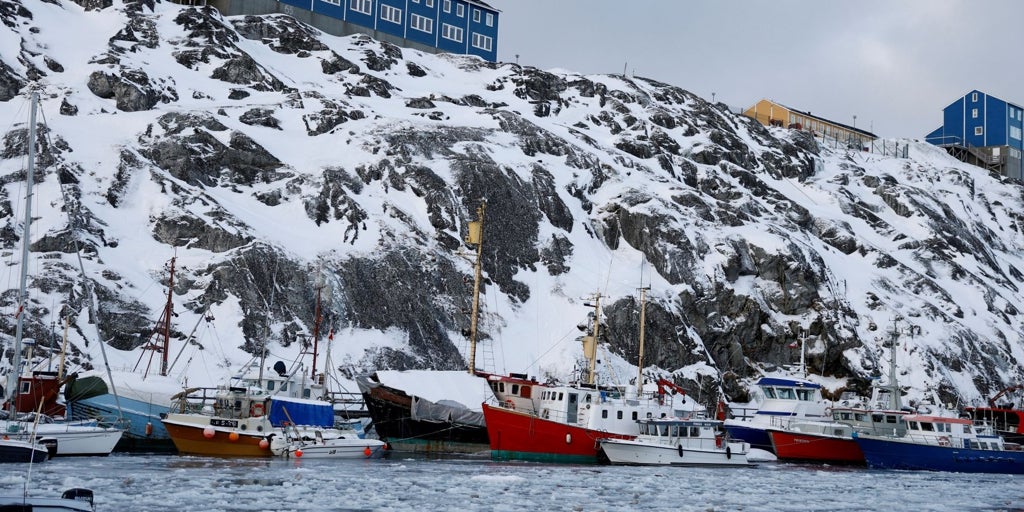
(677, 442)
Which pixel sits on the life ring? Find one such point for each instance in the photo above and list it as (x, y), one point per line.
(256, 410)
(509, 404)
(828, 412)
(943, 441)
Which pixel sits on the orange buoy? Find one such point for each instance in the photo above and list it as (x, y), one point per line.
(233, 436)
(208, 432)
(264, 444)
(149, 428)
(298, 453)
(367, 451)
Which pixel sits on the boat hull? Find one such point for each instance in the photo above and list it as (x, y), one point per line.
(394, 423)
(757, 437)
(188, 431)
(349, 449)
(144, 433)
(20, 451)
(72, 439)
(637, 452)
(518, 435)
(804, 447)
(882, 453)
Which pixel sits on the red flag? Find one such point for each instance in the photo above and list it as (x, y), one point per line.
(793, 345)
(331, 335)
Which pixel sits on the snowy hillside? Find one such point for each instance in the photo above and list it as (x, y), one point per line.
(267, 156)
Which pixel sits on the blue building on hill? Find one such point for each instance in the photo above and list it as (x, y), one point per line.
(983, 130)
(468, 27)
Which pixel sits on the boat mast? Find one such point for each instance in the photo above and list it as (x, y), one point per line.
(895, 402)
(475, 236)
(590, 342)
(12, 378)
(640, 360)
(317, 318)
(168, 311)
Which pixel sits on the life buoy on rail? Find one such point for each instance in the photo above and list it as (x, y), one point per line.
(943, 441)
(509, 404)
(256, 410)
(828, 412)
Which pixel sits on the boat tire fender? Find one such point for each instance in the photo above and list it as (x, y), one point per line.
(728, 452)
(680, 447)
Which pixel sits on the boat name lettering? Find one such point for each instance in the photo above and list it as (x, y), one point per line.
(223, 423)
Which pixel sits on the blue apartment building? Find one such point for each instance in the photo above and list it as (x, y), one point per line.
(467, 27)
(983, 130)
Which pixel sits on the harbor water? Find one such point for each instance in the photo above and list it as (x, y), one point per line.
(165, 483)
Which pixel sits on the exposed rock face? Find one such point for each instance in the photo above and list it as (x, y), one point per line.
(276, 160)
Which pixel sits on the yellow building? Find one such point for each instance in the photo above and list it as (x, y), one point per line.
(769, 113)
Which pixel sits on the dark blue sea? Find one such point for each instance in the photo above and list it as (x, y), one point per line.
(167, 483)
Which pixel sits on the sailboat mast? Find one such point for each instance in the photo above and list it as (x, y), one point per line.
(476, 236)
(12, 379)
(166, 328)
(640, 360)
(317, 318)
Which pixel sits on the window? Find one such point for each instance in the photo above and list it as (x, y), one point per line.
(604, 413)
(447, 5)
(363, 6)
(974, 113)
(481, 41)
(476, 15)
(490, 20)
(415, 1)
(332, 2)
(389, 13)
(451, 32)
(429, 3)
(979, 130)
(974, 96)
(618, 414)
(460, 10)
(634, 415)
(1015, 132)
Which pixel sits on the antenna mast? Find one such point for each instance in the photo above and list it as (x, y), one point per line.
(640, 360)
(475, 236)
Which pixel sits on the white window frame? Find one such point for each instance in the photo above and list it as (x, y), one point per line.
(974, 96)
(421, 23)
(482, 42)
(361, 6)
(978, 130)
(429, 3)
(447, 6)
(974, 113)
(490, 19)
(332, 2)
(415, 1)
(451, 32)
(391, 13)
(460, 10)
(476, 15)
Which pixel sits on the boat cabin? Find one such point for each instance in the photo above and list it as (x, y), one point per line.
(949, 431)
(516, 391)
(790, 397)
(669, 431)
(612, 408)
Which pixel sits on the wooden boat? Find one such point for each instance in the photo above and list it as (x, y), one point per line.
(567, 421)
(72, 500)
(942, 443)
(677, 442)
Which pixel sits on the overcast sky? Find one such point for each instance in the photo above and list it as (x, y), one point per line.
(894, 64)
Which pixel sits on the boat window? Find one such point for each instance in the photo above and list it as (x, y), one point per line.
(861, 416)
(942, 427)
(803, 394)
(306, 393)
(927, 426)
(589, 398)
(270, 385)
(890, 418)
(649, 415)
(284, 386)
(694, 431)
(845, 416)
(515, 389)
(877, 418)
(604, 413)
(786, 393)
(912, 425)
(838, 432)
(664, 430)
(501, 387)
(674, 431)
(635, 414)
(769, 392)
(560, 396)
(643, 429)
(619, 414)
(526, 392)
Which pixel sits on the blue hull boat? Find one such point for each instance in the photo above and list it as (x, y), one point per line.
(896, 454)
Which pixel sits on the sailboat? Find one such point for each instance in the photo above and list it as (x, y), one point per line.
(71, 438)
(438, 412)
(570, 419)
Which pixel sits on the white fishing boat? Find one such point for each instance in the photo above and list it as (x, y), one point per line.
(76, 499)
(321, 443)
(677, 442)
